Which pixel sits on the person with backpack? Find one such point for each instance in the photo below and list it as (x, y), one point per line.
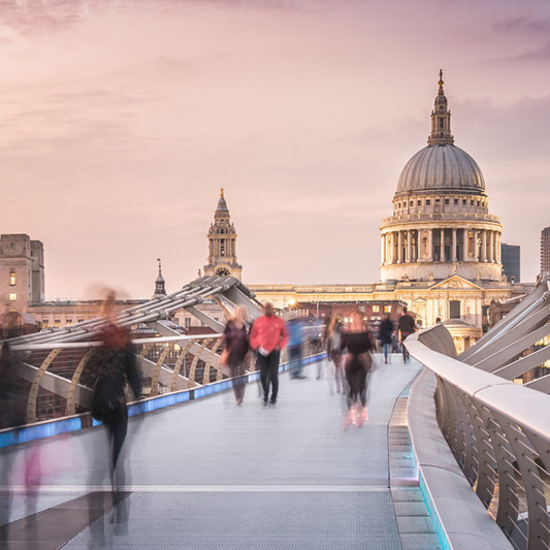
(116, 365)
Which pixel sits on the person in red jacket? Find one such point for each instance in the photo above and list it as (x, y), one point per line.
(268, 337)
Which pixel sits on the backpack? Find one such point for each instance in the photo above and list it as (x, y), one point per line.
(107, 395)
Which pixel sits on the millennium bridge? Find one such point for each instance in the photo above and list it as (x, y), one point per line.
(454, 453)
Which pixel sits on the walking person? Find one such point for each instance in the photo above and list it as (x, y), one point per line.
(295, 347)
(406, 326)
(116, 365)
(236, 341)
(385, 335)
(334, 351)
(268, 337)
(358, 363)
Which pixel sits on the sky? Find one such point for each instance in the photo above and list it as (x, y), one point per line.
(121, 119)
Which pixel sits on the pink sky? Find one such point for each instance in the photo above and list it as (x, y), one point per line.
(121, 119)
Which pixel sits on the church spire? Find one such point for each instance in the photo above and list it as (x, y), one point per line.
(441, 118)
(222, 244)
(160, 290)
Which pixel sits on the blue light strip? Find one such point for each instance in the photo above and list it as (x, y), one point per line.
(51, 428)
(436, 520)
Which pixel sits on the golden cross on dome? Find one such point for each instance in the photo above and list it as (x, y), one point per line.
(221, 193)
(440, 91)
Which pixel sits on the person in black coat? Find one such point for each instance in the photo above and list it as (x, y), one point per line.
(116, 365)
(385, 335)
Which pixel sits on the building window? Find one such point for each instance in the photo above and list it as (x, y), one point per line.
(411, 203)
(81, 320)
(387, 309)
(456, 201)
(69, 322)
(419, 203)
(454, 309)
(13, 296)
(464, 202)
(57, 323)
(428, 202)
(472, 202)
(45, 323)
(375, 309)
(188, 322)
(446, 201)
(12, 277)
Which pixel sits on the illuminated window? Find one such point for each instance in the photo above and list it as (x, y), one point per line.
(69, 322)
(387, 309)
(45, 323)
(57, 323)
(375, 309)
(12, 277)
(13, 296)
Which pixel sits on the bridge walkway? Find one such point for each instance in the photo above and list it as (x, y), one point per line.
(210, 475)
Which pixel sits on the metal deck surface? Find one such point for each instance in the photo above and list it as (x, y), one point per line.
(210, 474)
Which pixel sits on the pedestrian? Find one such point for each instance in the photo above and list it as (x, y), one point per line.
(358, 364)
(406, 326)
(115, 365)
(334, 351)
(294, 347)
(13, 399)
(268, 337)
(385, 334)
(237, 344)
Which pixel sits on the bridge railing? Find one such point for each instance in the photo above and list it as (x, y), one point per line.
(58, 377)
(499, 434)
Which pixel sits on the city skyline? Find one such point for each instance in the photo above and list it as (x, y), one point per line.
(122, 121)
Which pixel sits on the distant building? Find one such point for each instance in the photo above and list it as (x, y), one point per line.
(545, 249)
(510, 254)
(21, 272)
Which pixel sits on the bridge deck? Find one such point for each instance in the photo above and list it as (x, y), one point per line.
(213, 475)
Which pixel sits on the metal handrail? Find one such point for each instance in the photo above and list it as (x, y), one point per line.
(499, 434)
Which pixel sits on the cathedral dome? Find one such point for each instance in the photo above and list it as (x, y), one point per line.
(441, 168)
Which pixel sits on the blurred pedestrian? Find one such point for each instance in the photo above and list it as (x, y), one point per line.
(116, 365)
(12, 414)
(385, 335)
(406, 326)
(237, 344)
(334, 351)
(268, 337)
(358, 364)
(295, 347)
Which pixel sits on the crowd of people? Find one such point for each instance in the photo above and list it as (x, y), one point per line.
(349, 348)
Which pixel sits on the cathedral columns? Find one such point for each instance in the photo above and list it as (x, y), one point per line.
(442, 245)
(491, 246)
(431, 244)
(483, 245)
(409, 246)
(400, 247)
(476, 246)
(453, 247)
(464, 244)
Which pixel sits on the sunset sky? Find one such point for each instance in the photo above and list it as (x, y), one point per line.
(121, 119)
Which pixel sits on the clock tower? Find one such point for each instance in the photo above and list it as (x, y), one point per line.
(222, 244)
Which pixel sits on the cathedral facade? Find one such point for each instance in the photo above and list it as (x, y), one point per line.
(440, 248)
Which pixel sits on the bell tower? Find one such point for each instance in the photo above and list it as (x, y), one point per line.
(222, 244)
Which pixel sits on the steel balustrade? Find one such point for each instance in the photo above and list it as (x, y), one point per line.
(497, 430)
